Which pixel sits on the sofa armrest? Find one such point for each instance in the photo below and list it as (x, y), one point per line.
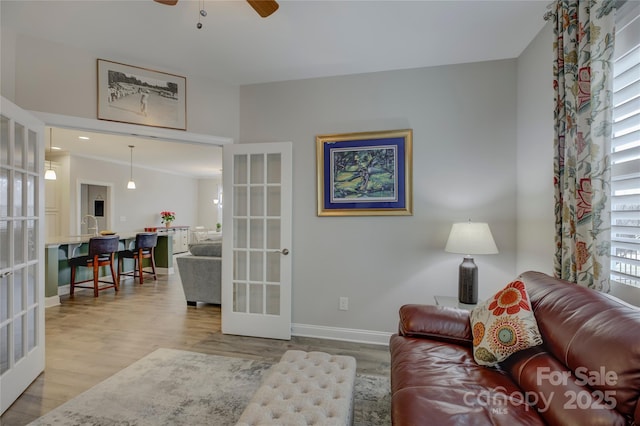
(436, 322)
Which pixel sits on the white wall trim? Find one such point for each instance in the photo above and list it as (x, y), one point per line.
(344, 334)
(102, 126)
(165, 271)
(51, 301)
(64, 290)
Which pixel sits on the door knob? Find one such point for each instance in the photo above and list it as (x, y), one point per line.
(284, 251)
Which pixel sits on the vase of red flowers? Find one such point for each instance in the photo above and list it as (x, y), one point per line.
(167, 218)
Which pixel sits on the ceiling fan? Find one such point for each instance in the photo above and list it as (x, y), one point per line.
(263, 7)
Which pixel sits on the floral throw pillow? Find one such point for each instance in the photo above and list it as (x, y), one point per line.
(504, 325)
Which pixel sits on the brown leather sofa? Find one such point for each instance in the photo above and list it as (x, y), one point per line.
(587, 371)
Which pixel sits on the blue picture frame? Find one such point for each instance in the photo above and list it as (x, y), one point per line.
(365, 174)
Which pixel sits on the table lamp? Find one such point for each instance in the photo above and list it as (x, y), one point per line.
(470, 238)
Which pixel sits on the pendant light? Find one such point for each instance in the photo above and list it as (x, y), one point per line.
(50, 174)
(131, 184)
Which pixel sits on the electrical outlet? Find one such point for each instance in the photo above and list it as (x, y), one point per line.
(344, 303)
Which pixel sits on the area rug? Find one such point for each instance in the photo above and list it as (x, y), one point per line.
(174, 387)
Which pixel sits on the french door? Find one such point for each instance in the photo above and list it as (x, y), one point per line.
(256, 243)
(21, 251)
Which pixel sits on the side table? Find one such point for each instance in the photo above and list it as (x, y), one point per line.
(452, 302)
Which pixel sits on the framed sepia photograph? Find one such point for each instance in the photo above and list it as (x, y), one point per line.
(365, 174)
(135, 95)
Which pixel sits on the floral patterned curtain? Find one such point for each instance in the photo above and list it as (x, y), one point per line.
(583, 78)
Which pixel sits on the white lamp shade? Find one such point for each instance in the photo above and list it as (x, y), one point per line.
(471, 238)
(50, 174)
(131, 185)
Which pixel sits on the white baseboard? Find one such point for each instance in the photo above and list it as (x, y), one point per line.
(165, 271)
(51, 301)
(63, 290)
(344, 334)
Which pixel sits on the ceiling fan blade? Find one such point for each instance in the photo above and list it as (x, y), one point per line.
(167, 2)
(263, 7)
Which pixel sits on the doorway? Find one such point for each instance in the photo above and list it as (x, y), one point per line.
(95, 200)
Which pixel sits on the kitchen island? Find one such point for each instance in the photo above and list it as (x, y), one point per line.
(59, 250)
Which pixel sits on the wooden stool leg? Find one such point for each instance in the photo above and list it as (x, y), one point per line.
(73, 280)
(138, 261)
(116, 278)
(153, 265)
(120, 259)
(96, 271)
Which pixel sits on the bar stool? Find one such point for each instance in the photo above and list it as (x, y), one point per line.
(101, 253)
(144, 249)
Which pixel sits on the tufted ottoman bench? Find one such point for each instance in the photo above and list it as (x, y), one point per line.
(304, 388)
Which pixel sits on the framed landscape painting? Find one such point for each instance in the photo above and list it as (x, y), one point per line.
(365, 174)
(135, 95)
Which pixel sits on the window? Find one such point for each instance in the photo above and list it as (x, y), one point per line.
(625, 146)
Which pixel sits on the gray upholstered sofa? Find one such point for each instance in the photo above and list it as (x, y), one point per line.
(200, 273)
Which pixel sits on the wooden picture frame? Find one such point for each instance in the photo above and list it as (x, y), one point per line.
(130, 94)
(365, 174)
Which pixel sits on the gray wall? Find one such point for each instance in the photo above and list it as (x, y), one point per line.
(132, 210)
(536, 231)
(39, 75)
(464, 123)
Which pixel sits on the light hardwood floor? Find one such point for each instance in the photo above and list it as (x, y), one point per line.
(89, 339)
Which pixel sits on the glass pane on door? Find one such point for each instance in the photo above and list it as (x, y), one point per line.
(273, 299)
(4, 244)
(18, 241)
(32, 327)
(18, 147)
(240, 169)
(4, 139)
(4, 193)
(4, 349)
(240, 297)
(274, 166)
(257, 168)
(32, 151)
(273, 201)
(273, 267)
(255, 298)
(18, 339)
(17, 193)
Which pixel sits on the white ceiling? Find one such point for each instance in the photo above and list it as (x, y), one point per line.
(303, 39)
(186, 159)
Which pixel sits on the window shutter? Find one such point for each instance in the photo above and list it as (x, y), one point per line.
(625, 146)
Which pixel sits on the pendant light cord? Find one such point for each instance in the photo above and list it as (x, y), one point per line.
(131, 173)
(50, 145)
